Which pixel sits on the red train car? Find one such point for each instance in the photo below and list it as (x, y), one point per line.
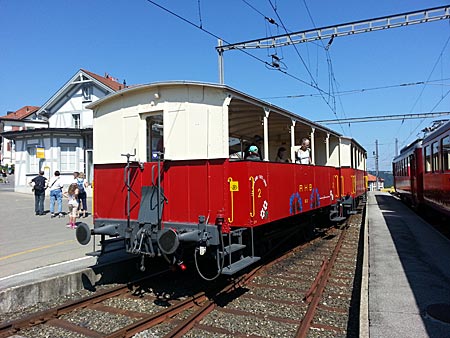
(436, 169)
(408, 173)
(170, 171)
(422, 170)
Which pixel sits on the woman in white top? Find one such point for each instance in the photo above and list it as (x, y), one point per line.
(55, 185)
(304, 153)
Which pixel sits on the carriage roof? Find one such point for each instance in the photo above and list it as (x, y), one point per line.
(200, 120)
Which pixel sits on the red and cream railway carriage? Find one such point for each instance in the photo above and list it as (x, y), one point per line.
(169, 171)
(422, 170)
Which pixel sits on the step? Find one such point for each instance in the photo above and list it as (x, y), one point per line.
(239, 265)
(94, 253)
(337, 219)
(352, 212)
(229, 249)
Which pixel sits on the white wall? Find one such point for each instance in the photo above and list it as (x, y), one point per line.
(195, 123)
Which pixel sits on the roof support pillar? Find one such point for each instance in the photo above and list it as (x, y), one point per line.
(313, 157)
(266, 133)
(293, 141)
(327, 147)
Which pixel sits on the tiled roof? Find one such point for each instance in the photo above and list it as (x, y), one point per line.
(106, 80)
(21, 113)
(373, 178)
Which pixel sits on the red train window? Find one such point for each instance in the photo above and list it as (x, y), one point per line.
(427, 158)
(435, 150)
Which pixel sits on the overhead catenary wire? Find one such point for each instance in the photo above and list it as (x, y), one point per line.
(423, 89)
(357, 91)
(305, 65)
(245, 52)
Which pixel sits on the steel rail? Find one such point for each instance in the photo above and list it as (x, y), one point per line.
(305, 324)
(10, 328)
(242, 281)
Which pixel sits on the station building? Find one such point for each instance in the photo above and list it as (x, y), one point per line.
(57, 135)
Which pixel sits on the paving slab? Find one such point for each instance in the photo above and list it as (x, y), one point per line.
(408, 270)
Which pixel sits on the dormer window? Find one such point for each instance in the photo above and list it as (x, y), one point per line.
(87, 93)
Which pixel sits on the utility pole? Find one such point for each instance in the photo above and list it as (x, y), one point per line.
(396, 146)
(377, 187)
(220, 51)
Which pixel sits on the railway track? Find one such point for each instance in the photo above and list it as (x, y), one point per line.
(307, 291)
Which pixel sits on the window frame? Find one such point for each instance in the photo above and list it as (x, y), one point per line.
(33, 161)
(427, 159)
(68, 166)
(435, 165)
(445, 156)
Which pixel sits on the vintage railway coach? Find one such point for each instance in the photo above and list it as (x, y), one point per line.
(408, 173)
(170, 171)
(422, 170)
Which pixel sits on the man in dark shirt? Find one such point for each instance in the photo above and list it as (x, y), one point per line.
(39, 185)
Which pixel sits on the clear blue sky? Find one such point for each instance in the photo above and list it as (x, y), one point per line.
(45, 42)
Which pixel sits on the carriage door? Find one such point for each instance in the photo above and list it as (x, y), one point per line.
(412, 175)
(155, 139)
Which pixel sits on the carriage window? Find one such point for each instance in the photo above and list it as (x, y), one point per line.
(427, 157)
(435, 149)
(155, 139)
(446, 153)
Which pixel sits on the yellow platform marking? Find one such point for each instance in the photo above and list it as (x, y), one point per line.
(36, 249)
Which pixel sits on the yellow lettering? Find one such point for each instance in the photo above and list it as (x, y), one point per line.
(259, 193)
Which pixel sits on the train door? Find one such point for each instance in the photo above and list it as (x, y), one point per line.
(412, 171)
(155, 139)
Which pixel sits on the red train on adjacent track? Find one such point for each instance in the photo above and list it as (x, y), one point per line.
(170, 172)
(422, 170)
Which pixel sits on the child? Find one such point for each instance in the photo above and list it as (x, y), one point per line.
(72, 195)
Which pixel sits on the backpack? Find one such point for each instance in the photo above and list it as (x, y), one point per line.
(80, 185)
(39, 184)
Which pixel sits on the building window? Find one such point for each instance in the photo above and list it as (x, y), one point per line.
(446, 153)
(427, 158)
(76, 121)
(435, 149)
(87, 93)
(68, 158)
(33, 161)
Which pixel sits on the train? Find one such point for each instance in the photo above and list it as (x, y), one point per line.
(422, 170)
(171, 178)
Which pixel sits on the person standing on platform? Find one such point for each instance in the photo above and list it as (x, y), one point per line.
(72, 195)
(82, 196)
(5, 176)
(39, 184)
(56, 186)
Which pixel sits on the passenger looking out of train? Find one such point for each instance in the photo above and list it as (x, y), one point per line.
(257, 142)
(281, 156)
(72, 195)
(253, 154)
(304, 153)
(55, 185)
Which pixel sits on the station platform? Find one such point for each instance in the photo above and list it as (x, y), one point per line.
(407, 273)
